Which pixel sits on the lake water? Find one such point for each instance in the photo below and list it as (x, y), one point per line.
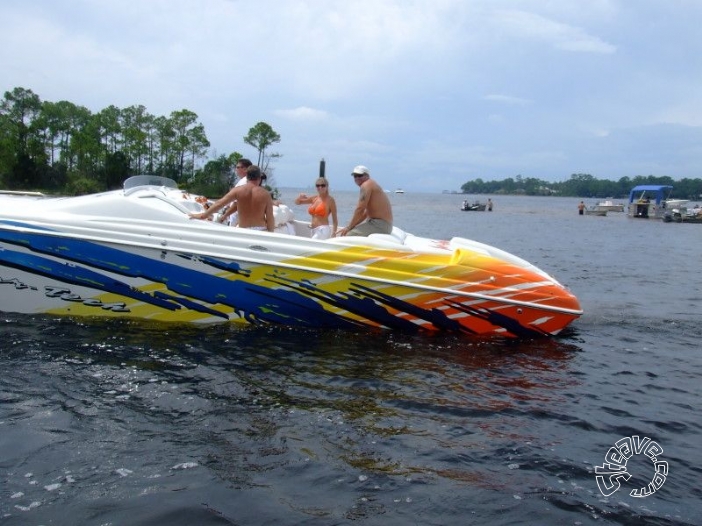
(111, 423)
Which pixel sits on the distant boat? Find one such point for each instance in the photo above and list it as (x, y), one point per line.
(399, 191)
(684, 215)
(595, 211)
(476, 206)
(641, 204)
(610, 206)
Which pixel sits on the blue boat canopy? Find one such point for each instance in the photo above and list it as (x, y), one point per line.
(646, 190)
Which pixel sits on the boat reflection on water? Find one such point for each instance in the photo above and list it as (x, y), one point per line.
(377, 380)
(383, 395)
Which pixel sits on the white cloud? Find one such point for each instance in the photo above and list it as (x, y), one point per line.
(539, 28)
(303, 113)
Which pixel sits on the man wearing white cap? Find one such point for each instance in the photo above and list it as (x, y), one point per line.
(373, 214)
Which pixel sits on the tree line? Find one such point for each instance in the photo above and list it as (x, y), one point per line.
(63, 147)
(583, 185)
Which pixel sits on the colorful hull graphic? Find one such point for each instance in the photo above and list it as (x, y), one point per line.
(135, 253)
(346, 287)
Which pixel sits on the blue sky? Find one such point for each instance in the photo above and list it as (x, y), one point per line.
(427, 93)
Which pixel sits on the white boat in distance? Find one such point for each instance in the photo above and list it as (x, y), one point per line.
(594, 210)
(136, 253)
(609, 206)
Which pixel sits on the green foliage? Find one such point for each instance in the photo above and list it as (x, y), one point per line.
(54, 177)
(261, 136)
(60, 146)
(43, 144)
(582, 185)
(215, 177)
(116, 170)
(23, 174)
(83, 186)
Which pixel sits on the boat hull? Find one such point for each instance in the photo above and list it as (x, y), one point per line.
(609, 206)
(683, 216)
(595, 212)
(192, 271)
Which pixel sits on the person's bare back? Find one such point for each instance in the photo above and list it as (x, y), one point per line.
(376, 200)
(255, 206)
(254, 203)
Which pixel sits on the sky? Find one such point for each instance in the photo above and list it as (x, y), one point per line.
(428, 94)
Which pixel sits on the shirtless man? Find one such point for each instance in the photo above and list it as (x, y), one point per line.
(230, 215)
(373, 213)
(254, 203)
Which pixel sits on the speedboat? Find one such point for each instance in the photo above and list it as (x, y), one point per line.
(137, 253)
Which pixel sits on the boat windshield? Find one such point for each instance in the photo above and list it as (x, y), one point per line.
(149, 180)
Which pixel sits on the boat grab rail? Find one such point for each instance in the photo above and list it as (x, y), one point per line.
(22, 193)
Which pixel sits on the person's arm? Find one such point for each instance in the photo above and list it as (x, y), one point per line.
(335, 222)
(303, 199)
(217, 205)
(270, 219)
(229, 212)
(359, 214)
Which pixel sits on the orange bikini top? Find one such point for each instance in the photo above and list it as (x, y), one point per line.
(318, 208)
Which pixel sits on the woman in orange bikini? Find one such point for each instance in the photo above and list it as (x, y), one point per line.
(321, 207)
